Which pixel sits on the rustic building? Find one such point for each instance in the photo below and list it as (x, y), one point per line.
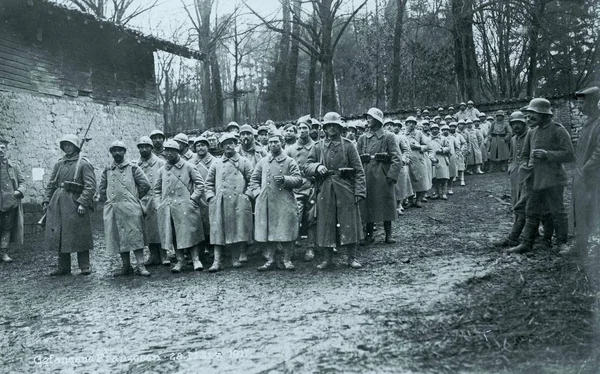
(59, 68)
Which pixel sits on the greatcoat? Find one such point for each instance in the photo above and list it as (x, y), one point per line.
(441, 170)
(474, 142)
(518, 191)
(403, 185)
(300, 152)
(253, 154)
(151, 168)
(122, 187)
(178, 191)
(66, 230)
(460, 146)
(230, 210)
(380, 193)
(338, 215)
(18, 184)
(453, 166)
(276, 210)
(203, 166)
(498, 140)
(417, 166)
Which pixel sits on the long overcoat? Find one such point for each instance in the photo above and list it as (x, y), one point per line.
(122, 186)
(18, 184)
(299, 152)
(381, 194)
(276, 211)
(230, 208)
(151, 167)
(460, 146)
(417, 166)
(178, 191)
(518, 190)
(203, 166)
(441, 170)
(453, 165)
(254, 154)
(67, 231)
(403, 185)
(474, 141)
(338, 215)
(498, 141)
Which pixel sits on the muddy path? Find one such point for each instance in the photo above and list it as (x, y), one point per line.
(340, 320)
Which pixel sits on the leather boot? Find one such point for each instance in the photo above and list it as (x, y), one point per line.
(310, 254)
(287, 256)
(235, 256)
(387, 226)
(164, 259)
(419, 199)
(478, 169)
(195, 254)
(450, 183)
(180, 265)
(327, 259)
(561, 227)
(243, 255)
(139, 258)
(270, 254)
(515, 233)
(444, 190)
(4, 241)
(351, 250)
(83, 260)
(64, 265)
(154, 259)
(126, 268)
(216, 265)
(5, 257)
(369, 233)
(527, 236)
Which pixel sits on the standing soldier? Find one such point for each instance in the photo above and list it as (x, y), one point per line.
(184, 147)
(403, 185)
(213, 145)
(230, 203)
(150, 165)
(263, 136)
(474, 142)
(202, 160)
(460, 147)
(178, 192)
(68, 201)
(290, 134)
(342, 187)
(586, 195)
(453, 166)
(472, 112)
(233, 128)
(299, 152)
(441, 167)
(462, 112)
(12, 189)
(546, 147)
(380, 155)
(248, 148)
(417, 165)
(122, 186)
(158, 139)
(272, 186)
(498, 140)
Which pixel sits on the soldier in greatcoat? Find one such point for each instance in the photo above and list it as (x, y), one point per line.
(150, 165)
(184, 148)
(178, 192)
(158, 139)
(380, 155)
(545, 149)
(341, 187)
(203, 160)
(230, 203)
(248, 147)
(12, 191)
(498, 142)
(441, 166)
(460, 148)
(452, 166)
(403, 185)
(417, 165)
(272, 185)
(68, 201)
(122, 186)
(462, 112)
(474, 142)
(263, 136)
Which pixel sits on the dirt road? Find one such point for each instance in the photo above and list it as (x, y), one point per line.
(417, 306)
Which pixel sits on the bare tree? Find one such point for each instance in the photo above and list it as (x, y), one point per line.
(116, 11)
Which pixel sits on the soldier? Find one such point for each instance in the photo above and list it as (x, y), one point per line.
(474, 142)
(203, 160)
(233, 128)
(272, 185)
(122, 186)
(158, 139)
(68, 201)
(290, 134)
(498, 140)
(441, 166)
(462, 112)
(586, 195)
(451, 113)
(184, 148)
(230, 203)
(417, 165)
(380, 155)
(546, 147)
(483, 147)
(360, 129)
(305, 192)
(472, 112)
(460, 147)
(213, 145)
(263, 136)
(12, 191)
(178, 193)
(452, 166)
(342, 187)
(248, 148)
(351, 132)
(403, 185)
(150, 165)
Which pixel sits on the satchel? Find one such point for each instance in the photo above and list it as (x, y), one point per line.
(9, 201)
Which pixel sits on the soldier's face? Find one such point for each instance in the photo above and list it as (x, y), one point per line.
(288, 133)
(158, 140)
(228, 148)
(452, 130)
(351, 134)
(234, 130)
(2, 151)
(396, 129)
(303, 131)
(461, 126)
(435, 131)
(275, 145)
(518, 127)
(172, 155)
(333, 131)
(212, 143)
(201, 148)
(246, 138)
(118, 154)
(263, 137)
(446, 132)
(68, 148)
(533, 119)
(410, 126)
(145, 150)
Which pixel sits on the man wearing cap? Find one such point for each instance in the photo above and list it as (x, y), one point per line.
(380, 155)
(545, 149)
(248, 148)
(417, 167)
(452, 158)
(272, 185)
(586, 194)
(403, 185)
(290, 134)
(68, 201)
(498, 140)
(462, 112)
(203, 160)
(178, 193)
(150, 165)
(12, 191)
(230, 203)
(233, 128)
(472, 112)
(360, 129)
(184, 147)
(341, 187)
(460, 148)
(441, 167)
(158, 139)
(263, 136)
(306, 191)
(213, 145)
(122, 186)
(451, 112)
(351, 132)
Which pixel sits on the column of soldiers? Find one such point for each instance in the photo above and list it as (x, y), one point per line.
(331, 182)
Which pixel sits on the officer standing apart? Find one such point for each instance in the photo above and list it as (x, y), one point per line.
(12, 189)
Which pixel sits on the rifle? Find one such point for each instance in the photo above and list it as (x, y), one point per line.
(73, 186)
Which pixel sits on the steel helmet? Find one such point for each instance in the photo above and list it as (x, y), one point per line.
(201, 139)
(445, 127)
(481, 114)
(490, 118)
(376, 114)
(453, 124)
(434, 126)
(425, 111)
(500, 113)
(440, 109)
(304, 119)
(157, 132)
(172, 144)
(233, 124)
(228, 136)
(462, 104)
(539, 105)
(411, 119)
(388, 120)
(469, 121)
(461, 121)
(70, 138)
(448, 117)
(470, 102)
(332, 118)
(450, 108)
(181, 137)
(145, 140)
(117, 144)
(476, 120)
(517, 116)
(263, 128)
(246, 128)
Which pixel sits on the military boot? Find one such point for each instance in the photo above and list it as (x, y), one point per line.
(195, 254)
(126, 268)
(287, 256)
(164, 259)
(270, 254)
(527, 236)
(243, 256)
(419, 200)
(4, 241)
(235, 256)
(180, 265)
(561, 226)
(141, 268)
(5, 257)
(64, 265)
(450, 183)
(387, 225)
(515, 233)
(310, 254)
(154, 259)
(444, 190)
(216, 265)
(83, 260)
(327, 259)
(351, 248)
(369, 234)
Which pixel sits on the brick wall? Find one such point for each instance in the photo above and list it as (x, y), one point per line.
(34, 125)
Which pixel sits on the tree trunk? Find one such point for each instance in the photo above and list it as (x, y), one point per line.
(218, 91)
(312, 77)
(329, 96)
(465, 60)
(293, 61)
(539, 7)
(398, 28)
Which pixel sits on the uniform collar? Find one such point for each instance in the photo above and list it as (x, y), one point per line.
(328, 142)
(72, 158)
(308, 145)
(207, 159)
(150, 161)
(279, 158)
(122, 165)
(379, 133)
(235, 158)
(178, 164)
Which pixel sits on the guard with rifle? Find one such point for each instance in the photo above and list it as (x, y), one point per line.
(68, 201)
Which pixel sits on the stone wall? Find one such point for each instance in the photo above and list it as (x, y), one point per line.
(34, 125)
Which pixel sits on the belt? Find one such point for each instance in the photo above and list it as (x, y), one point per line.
(334, 172)
(496, 135)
